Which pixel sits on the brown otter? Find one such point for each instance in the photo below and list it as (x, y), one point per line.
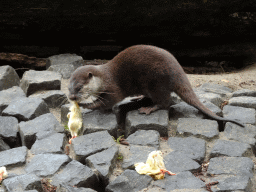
(138, 70)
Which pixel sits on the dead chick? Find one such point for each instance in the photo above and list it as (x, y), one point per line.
(75, 120)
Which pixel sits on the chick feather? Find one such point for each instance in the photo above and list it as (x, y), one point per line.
(75, 120)
(154, 166)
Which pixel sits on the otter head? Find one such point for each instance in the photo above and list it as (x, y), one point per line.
(84, 83)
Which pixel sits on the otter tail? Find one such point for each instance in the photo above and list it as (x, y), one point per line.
(188, 95)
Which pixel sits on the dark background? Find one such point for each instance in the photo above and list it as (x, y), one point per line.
(195, 31)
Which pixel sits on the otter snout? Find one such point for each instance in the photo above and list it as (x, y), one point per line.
(73, 97)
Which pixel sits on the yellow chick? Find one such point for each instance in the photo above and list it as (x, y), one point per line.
(154, 166)
(75, 120)
(3, 173)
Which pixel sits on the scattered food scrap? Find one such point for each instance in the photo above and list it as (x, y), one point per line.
(3, 173)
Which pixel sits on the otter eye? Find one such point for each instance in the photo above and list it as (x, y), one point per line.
(90, 75)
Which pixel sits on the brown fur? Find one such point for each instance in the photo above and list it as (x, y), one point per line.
(139, 70)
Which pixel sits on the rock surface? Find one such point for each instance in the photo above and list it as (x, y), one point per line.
(33, 149)
(33, 81)
(8, 77)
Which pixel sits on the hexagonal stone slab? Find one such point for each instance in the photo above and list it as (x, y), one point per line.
(60, 59)
(65, 70)
(9, 129)
(130, 181)
(237, 113)
(179, 162)
(53, 99)
(232, 183)
(245, 134)
(103, 162)
(9, 95)
(244, 92)
(8, 77)
(86, 145)
(155, 121)
(192, 147)
(46, 164)
(216, 88)
(249, 102)
(203, 128)
(184, 110)
(149, 138)
(25, 109)
(212, 97)
(226, 148)
(67, 188)
(183, 180)
(52, 144)
(23, 182)
(96, 120)
(33, 81)
(39, 128)
(137, 154)
(231, 165)
(77, 174)
(13, 157)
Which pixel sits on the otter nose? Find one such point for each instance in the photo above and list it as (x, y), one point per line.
(72, 97)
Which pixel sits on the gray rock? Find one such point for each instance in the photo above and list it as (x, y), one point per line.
(137, 154)
(77, 174)
(46, 164)
(8, 77)
(53, 99)
(96, 120)
(39, 128)
(65, 111)
(203, 128)
(231, 165)
(212, 97)
(86, 145)
(67, 188)
(9, 95)
(103, 162)
(33, 81)
(245, 134)
(25, 109)
(215, 109)
(238, 114)
(184, 110)
(249, 102)
(183, 180)
(3, 145)
(215, 88)
(64, 69)
(130, 181)
(194, 148)
(9, 129)
(226, 148)
(52, 144)
(177, 162)
(232, 183)
(13, 157)
(23, 182)
(155, 121)
(62, 59)
(145, 138)
(244, 92)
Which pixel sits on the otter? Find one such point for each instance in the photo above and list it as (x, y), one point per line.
(143, 70)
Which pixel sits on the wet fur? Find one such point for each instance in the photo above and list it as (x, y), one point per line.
(138, 70)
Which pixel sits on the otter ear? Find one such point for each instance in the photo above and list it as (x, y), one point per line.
(89, 75)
